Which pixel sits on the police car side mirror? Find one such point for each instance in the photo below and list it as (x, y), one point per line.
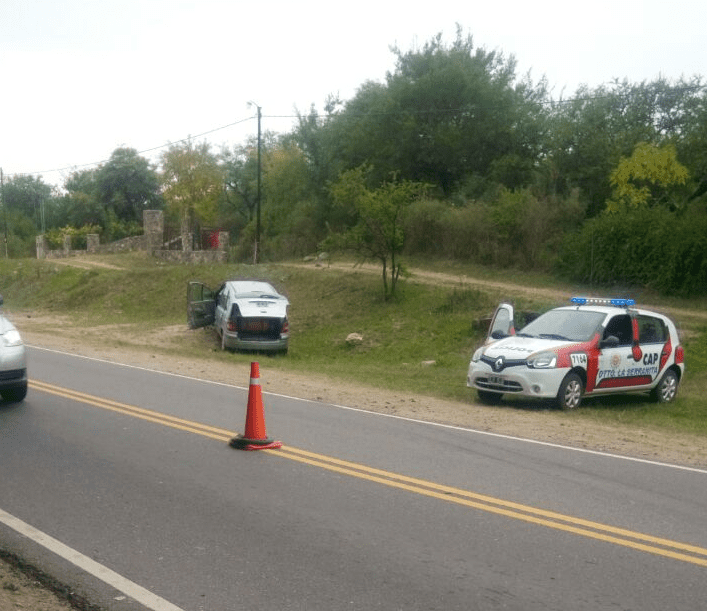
(498, 335)
(610, 342)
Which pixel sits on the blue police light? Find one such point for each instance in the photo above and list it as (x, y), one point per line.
(619, 303)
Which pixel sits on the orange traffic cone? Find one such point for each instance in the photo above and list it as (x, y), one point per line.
(254, 437)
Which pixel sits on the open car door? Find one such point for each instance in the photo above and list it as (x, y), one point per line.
(201, 305)
(502, 323)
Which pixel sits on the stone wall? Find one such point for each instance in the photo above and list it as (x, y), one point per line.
(151, 241)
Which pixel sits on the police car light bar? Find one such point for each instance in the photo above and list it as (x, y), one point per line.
(619, 303)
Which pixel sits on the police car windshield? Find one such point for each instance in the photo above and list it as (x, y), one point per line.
(572, 325)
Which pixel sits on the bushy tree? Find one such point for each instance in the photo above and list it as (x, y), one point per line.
(460, 110)
(589, 133)
(80, 205)
(445, 113)
(651, 176)
(127, 184)
(379, 233)
(27, 195)
(193, 182)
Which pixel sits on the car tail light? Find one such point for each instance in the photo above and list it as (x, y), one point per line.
(285, 327)
(679, 355)
(233, 325)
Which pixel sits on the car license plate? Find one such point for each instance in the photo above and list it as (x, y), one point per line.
(496, 380)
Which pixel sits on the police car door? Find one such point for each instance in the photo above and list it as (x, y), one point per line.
(618, 352)
(653, 336)
(501, 323)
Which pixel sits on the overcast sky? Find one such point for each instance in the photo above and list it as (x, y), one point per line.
(81, 78)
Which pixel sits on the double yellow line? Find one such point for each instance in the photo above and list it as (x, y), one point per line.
(577, 526)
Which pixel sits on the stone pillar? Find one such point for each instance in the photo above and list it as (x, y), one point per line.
(67, 244)
(92, 243)
(41, 242)
(153, 228)
(223, 240)
(186, 236)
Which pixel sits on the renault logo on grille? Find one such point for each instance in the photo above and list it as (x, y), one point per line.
(498, 364)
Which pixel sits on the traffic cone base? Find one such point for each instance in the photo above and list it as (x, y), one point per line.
(242, 443)
(254, 437)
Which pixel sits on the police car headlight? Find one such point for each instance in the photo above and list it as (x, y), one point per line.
(476, 357)
(11, 338)
(543, 360)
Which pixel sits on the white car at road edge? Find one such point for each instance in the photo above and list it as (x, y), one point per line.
(13, 362)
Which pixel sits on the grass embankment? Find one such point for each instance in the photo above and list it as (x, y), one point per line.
(419, 342)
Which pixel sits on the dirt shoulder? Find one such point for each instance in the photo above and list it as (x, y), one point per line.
(130, 345)
(25, 590)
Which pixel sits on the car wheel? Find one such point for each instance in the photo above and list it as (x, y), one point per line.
(489, 398)
(667, 388)
(569, 396)
(14, 395)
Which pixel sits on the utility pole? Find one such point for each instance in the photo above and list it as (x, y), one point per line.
(256, 250)
(4, 208)
(257, 219)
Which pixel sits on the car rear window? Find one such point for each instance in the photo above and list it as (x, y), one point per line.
(256, 289)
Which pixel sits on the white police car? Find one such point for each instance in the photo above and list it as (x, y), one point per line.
(593, 347)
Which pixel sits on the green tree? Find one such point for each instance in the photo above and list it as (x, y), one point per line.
(379, 232)
(193, 182)
(240, 168)
(589, 133)
(445, 113)
(80, 205)
(127, 184)
(461, 111)
(647, 178)
(27, 195)
(692, 144)
(285, 178)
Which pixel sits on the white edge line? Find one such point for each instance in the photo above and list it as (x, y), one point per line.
(426, 422)
(113, 579)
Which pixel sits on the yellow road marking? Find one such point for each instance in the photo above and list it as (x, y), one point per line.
(578, 526)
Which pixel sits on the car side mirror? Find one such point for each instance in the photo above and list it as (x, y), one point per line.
(498, 335)
(609, 342)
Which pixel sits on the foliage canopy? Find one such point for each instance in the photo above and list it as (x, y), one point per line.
(514, 177)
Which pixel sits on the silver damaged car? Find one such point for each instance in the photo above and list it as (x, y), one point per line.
(247, 314)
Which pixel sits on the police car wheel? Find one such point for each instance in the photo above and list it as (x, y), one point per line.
(667, 388)
(569, 396)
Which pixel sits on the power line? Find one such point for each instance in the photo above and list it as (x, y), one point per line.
(143, 152)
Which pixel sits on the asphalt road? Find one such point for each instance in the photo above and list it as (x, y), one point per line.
(131, 469)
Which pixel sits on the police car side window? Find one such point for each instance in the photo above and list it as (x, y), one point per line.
(620, 326)
(651, 330)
